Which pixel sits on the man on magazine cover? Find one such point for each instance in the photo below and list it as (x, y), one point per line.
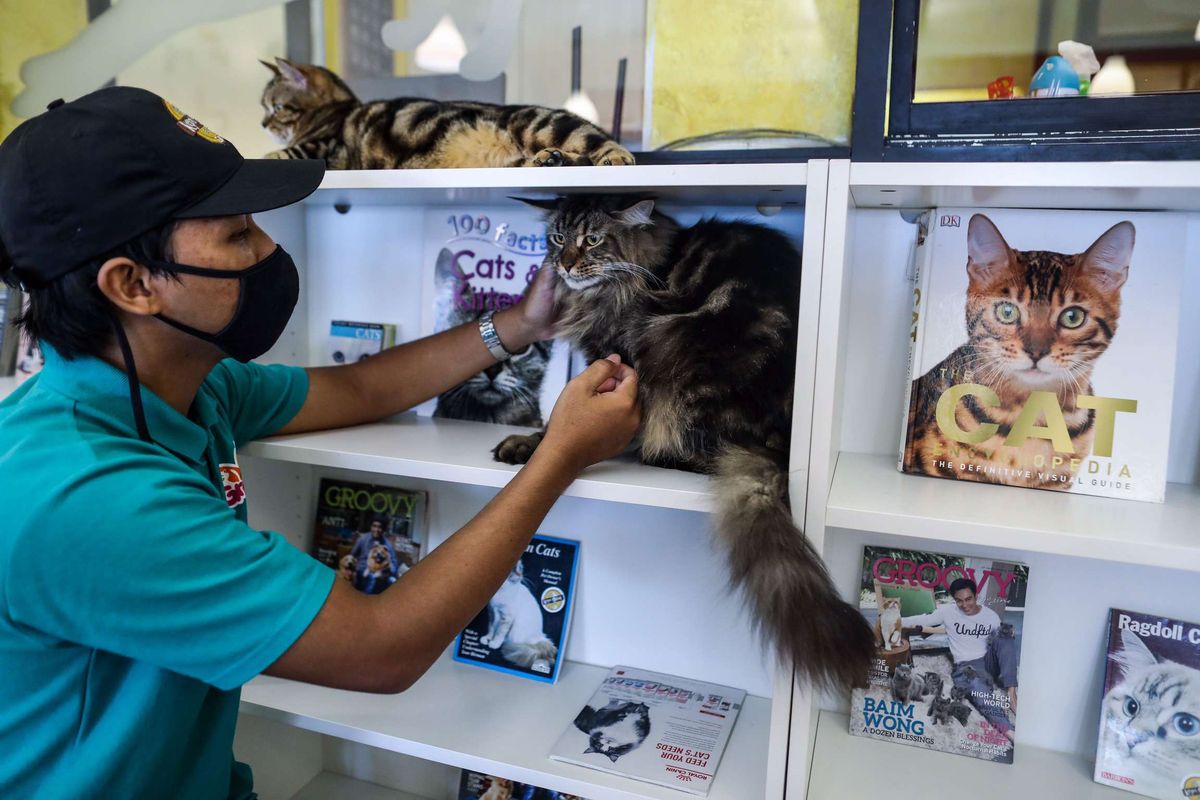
(152, 289)
(367, 557)
(981, 661)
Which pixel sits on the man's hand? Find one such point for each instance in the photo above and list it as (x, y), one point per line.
(596, 415)
(532, 318)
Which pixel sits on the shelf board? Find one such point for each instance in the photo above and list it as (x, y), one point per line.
(869, 493)
(485, 721)
(7, 386)
(332, 786)
(900, 772)
(460, 452)
(1126, 185)
(735, 184)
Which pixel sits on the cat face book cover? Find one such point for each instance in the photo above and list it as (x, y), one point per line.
(523, 629)
(371, 535)
(484, 259)
(1043, 349)
(948, 632)
(1149, 741)
(652, 727)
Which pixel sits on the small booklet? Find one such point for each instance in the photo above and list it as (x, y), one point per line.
(478, 786)
(351, 342)
(1149, 741)
(655, 728)
(370, 534)
(523, 629)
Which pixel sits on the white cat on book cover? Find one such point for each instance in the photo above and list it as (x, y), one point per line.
(515, 628)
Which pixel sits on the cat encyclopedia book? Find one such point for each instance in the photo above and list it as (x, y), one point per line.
(1149, 741)
(523, 629)
(370, 534)
(654, 728)
(948, 633)
(481, 259)
(1043, 349)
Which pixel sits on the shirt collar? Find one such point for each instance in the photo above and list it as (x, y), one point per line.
(102, 387)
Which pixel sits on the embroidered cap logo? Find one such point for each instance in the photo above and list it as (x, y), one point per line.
(192, 126)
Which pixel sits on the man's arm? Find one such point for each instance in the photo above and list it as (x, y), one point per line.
(402, 377)
(932, 619)
(385, 642)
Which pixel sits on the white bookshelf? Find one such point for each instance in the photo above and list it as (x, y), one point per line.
(332, 786)
(7, 386)
(484, 721)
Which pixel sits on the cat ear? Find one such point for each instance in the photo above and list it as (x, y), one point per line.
(545, 205)
(1107, 260)
(270, 66)
(637, 214)
(1134, 654)
(987, 252)
(613, 757)
(591, 750)
(291, 73)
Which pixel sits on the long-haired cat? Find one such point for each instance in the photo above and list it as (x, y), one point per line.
(1037, 321)
(887, 624)
(515, 627)
(1150, 721)
(707, 315)
(508, 392)
(616, 729)
(313, 113)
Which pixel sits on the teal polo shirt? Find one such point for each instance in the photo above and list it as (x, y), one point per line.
(135, 599)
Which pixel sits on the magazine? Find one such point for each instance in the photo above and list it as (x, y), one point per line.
(483, 259)
(351, 342)
(29, 359)
(523, 629)
(1043, 349)
(10, 307)
(478, 786)
(1149, 741)
(370, 534)
(654, 728)
(948, 633)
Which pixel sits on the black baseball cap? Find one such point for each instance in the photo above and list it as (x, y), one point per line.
(85, 177)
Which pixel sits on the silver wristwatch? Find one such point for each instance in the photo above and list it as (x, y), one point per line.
(490, 338)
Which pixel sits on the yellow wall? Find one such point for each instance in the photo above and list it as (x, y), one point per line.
(721, 65)
(29, 28)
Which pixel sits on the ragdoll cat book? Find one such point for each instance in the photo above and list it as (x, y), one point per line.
(1043, 349)
(370, 534)
(1149, 741)
(948, 633)
(523, 629)
(479, 786)
(655, 728)
(480, 259)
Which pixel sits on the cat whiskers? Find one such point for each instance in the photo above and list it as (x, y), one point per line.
(631, 268)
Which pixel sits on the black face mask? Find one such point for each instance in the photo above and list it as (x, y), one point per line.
(266, 300)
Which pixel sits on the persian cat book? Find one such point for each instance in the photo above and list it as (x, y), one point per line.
(654, 728)
(1149, 741)
(1043, 349)
(948, 633)
(482, 259)
(370, 534)
(523, 629)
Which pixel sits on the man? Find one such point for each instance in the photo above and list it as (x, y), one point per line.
(980, 660)
(129, 224)
(361, 552)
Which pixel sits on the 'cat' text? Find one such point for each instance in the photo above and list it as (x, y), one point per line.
(1174, 632)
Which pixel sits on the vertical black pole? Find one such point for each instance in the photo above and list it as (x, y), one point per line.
(619, 103)
(576, 59)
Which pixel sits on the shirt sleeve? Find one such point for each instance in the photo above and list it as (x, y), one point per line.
(257, 399)
(931, 619)
(164, 573)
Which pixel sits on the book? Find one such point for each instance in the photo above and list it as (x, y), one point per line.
(370, 534)
(523, 629)
(10, 307)
(29, 358)
(1043, 349)
(655, 728)
(351, 342)
(1149, 741)
(948, 633)
(478, 259)
(479, 786)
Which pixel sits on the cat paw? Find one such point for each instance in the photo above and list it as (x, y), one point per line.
(277, 154)
(484, 640)
(516, 449)
(615, 156)
(549, 157)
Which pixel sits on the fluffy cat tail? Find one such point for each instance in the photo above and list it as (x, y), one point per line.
(523, 654)
(793, 600)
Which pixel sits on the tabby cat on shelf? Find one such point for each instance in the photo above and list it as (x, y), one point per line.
(707, 315)
(313, 113)
(1036, 321)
